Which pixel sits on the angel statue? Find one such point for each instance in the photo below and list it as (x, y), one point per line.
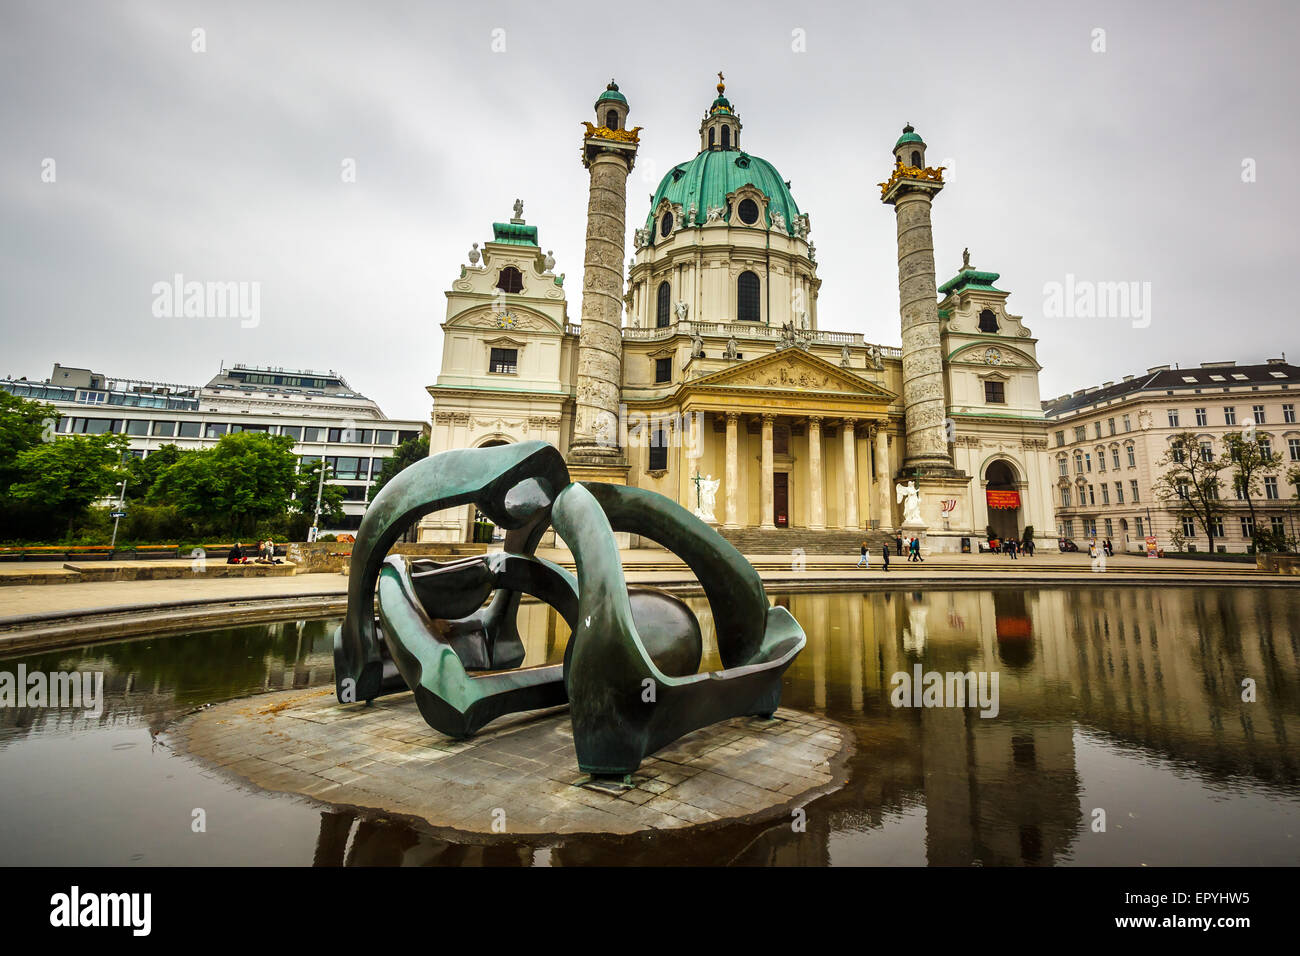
(910, 498)
(706, 494)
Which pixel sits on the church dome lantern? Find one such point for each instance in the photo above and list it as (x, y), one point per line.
(720, 128)
(611, 108)
(910, 148)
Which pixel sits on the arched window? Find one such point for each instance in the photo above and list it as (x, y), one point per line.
(748, 210)
(665, 225)
(988, 321)
(916, 158)
(726, 137)
(661, 307)
(711, 132)
(510, 280)
(748, 308)
(611, 119)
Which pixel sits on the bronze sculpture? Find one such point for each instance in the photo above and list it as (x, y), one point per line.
(630, 671)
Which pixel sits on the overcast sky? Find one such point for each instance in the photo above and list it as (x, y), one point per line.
(226, 165)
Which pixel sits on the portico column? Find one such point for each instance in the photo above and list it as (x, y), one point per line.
(850, 476)
(733, 473)
(882, 473)
(816, 509)
(767, 504)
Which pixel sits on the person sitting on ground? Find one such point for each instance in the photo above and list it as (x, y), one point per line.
(236, 555)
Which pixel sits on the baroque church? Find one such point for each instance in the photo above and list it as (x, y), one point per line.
(702, 369)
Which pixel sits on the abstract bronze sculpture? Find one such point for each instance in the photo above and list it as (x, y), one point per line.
(630, 671)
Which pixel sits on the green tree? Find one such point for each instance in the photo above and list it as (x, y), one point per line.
(245, 478)
(144, 472)
(1189, 481)
(1250, 462)
(65, 476)
(407, 454)
(24, 424)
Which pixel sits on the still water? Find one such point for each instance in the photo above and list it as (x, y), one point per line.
(1126, 701)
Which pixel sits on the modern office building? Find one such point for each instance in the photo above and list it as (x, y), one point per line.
(320, 410)
(1108, 440)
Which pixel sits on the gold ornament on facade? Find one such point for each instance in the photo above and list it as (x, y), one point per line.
(617, 135)
(933, 174)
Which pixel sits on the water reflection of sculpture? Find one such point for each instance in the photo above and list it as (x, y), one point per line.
(630, 668)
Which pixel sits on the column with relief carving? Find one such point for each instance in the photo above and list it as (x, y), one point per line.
(850, 475)
(882, 475)
(768, 503)
(733, 472)
(816, 506)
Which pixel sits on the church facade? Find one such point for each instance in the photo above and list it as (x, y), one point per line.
(703, 371)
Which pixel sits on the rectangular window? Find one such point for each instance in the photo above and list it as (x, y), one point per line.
(1128, 426)
(1293, 446)
(995, 393)
(1247, 527)
(1110, 425)
(1217, 526)
(1105, 494)
(1265, 448)
(658, 451)
(293, 431)
(1096, 429)
(164, 429)
(1063, 466)
(1068, 527)
(1119, 492)
(1207, 452)
(1133, 488)
(1132, 458)
(385, 437)
(1078, 462)
(1259, 414)
(345, 468)
(1114, 458)
(1229, 415)
(1201, 417)
(1060, 439)
(1278, 525)
(1079, 433)
(215, 430)
(1087, 462)
(1065, 497)
(1189, 527)
(504, 361)
(189, 430)
(1173, 418)
(1101, 459)
(313, 434)
(1288, 414)
(137, 426)
(1270, 487)
(1138, 525)
(1110, 528)
(1092, 497)
(663, 371)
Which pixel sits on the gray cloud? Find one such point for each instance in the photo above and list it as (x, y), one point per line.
(225, 165)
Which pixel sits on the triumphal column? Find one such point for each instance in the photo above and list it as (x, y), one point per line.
(608, 152)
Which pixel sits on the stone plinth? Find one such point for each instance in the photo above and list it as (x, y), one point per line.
(520, 775)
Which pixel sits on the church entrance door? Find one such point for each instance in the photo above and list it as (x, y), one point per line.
(781, 499)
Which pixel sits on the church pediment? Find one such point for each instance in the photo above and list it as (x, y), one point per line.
(791, 370)
(511, 319)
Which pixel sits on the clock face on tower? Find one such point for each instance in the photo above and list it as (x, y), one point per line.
(993, 357)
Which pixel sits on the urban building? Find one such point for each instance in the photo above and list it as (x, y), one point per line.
(706, 372)
(1108, 440)
(325, 416)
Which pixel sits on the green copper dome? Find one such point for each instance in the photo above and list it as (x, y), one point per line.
(909, 136)
(707, 179)
(611, 93)
(721, 103)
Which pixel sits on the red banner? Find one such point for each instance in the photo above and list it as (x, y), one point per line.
(1003, 499)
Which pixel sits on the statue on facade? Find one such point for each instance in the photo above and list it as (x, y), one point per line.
(474, 255)
(714, 214)
(787, 336)
(877, 362)
(519, 209)
(910, 498)
(812, 252)
(778, 222)
(549, 262)
(697, 346)
(965, 259)
(638, 238)
(690, 214)
(681, 308)
(801, 318)
(846, 356)
(801, 226)
(706, 493)
(733, 350)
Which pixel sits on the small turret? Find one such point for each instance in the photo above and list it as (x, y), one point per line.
(611, 108)
(720, 128)
(910, 148)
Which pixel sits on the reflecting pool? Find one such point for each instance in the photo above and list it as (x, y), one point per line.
(1120, 707)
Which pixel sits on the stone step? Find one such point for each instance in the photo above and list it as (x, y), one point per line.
(786, 540)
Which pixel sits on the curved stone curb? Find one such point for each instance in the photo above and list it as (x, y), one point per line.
(520, 776)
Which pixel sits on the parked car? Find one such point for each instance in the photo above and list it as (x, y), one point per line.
(1065, 544)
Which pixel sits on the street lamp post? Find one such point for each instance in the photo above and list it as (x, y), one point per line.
(120, 502)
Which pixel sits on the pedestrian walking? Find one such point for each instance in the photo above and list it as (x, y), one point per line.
(884, 551)
(864, 559)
